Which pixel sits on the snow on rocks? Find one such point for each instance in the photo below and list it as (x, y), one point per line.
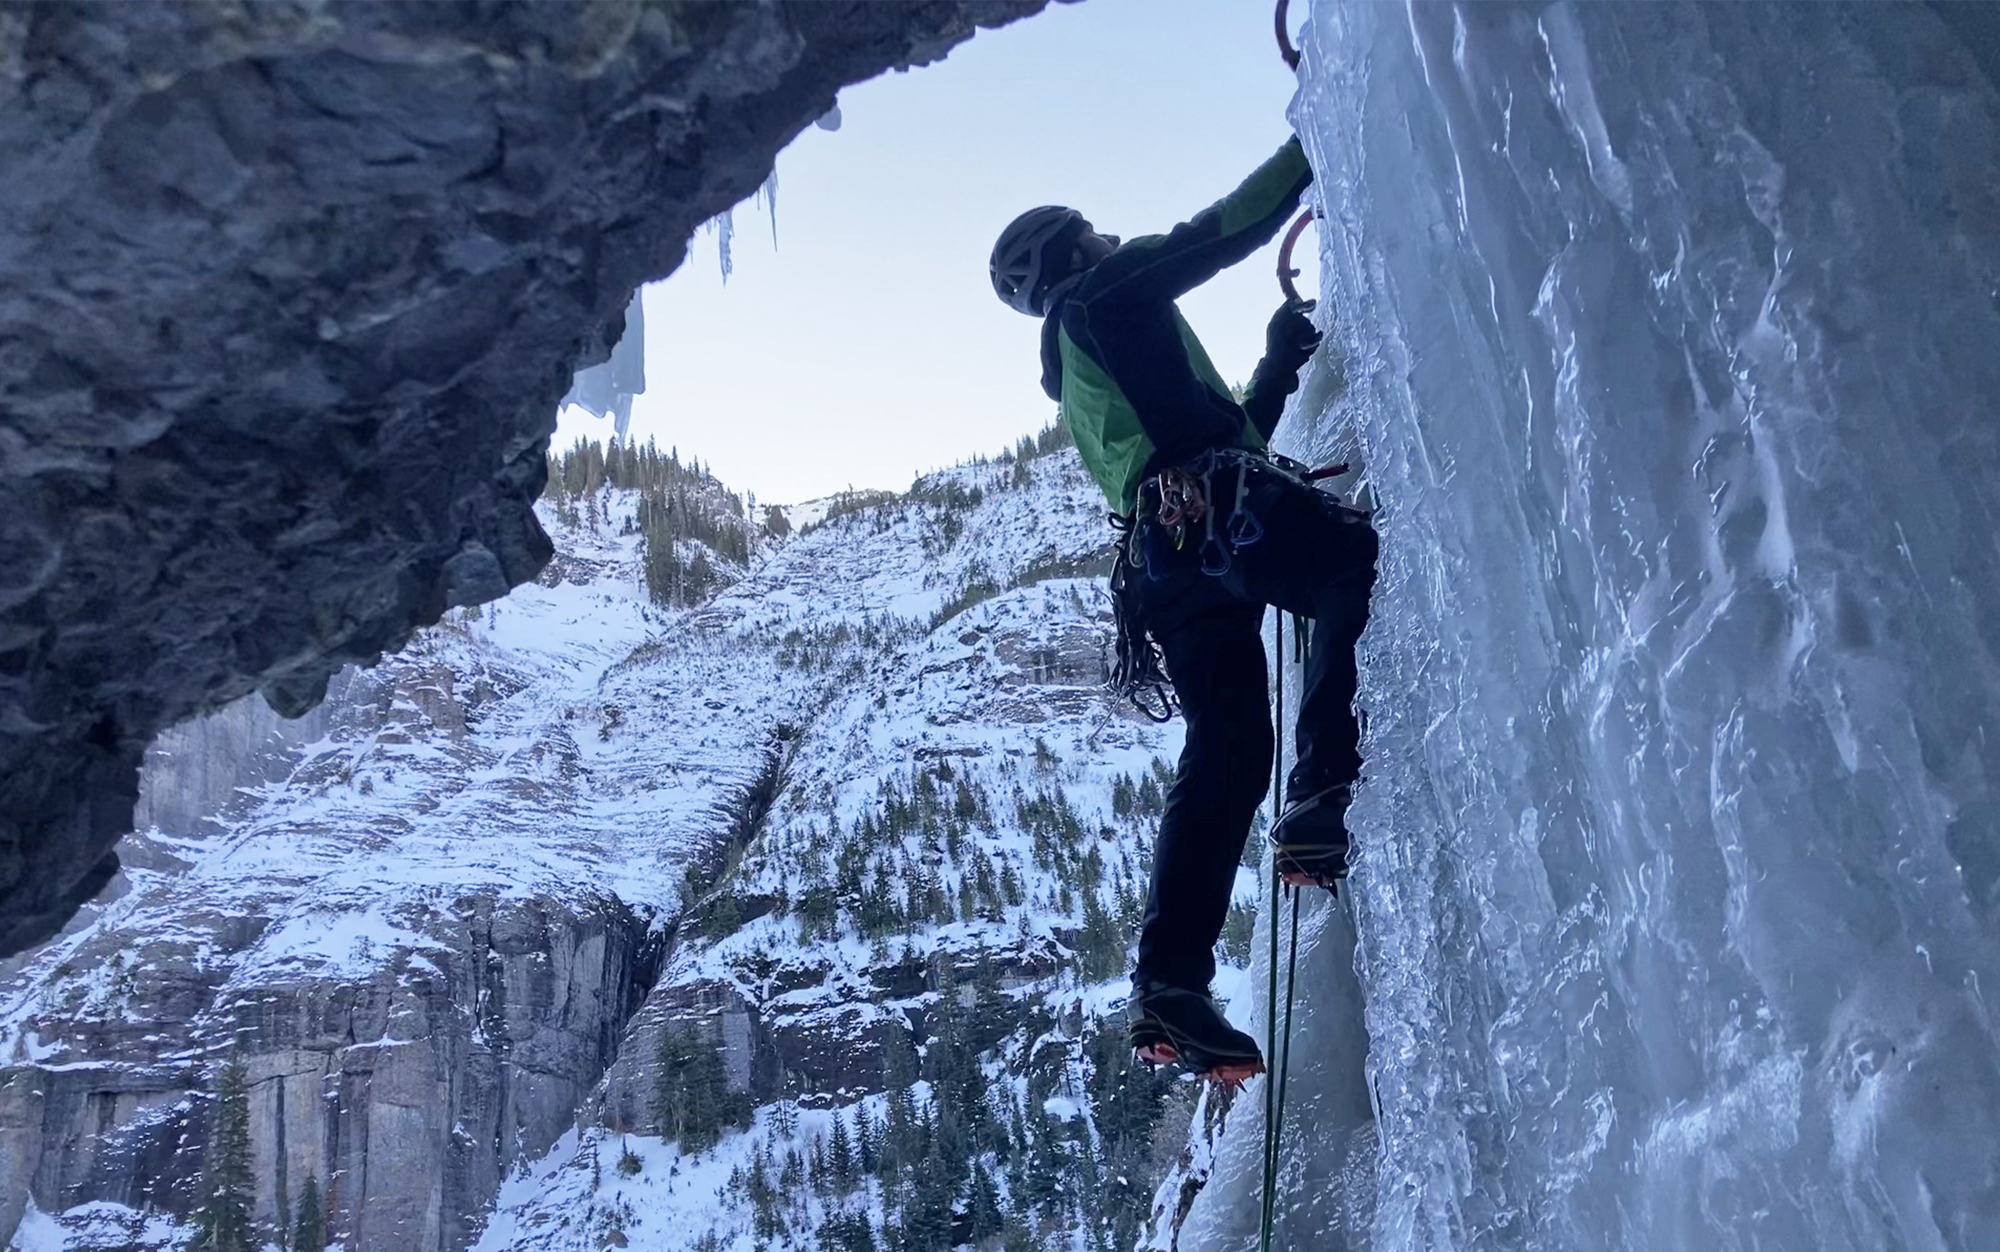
(866, 809)
(961, 826)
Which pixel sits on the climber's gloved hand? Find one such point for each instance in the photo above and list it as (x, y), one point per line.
(1291, 338)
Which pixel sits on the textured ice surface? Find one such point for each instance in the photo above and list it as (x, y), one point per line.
(1673, 349)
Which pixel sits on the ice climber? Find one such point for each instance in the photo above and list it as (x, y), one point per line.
(1214, 530)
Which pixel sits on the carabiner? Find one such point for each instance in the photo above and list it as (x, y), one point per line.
(1217, 565)
(1244, 529)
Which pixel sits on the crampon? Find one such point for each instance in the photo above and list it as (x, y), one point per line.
(1231, 1074)
(1309, 840)
(1172, 1026)
(1311, 865)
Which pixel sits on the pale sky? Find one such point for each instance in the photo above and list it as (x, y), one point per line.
(868, 345)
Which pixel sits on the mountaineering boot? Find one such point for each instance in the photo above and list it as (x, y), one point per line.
(1172, 1025)
(1309, 842)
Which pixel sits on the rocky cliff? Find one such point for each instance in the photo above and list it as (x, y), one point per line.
(421, 978)
(903, 982)
(288, 293)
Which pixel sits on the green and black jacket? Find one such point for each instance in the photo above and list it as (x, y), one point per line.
(1137, 389)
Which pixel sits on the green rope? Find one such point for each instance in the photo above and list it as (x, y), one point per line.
(1280, 1062)
(1285, 1064)
(1271, 992)
(1291, 962)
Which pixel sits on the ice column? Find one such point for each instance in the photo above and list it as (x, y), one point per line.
(1672, 334)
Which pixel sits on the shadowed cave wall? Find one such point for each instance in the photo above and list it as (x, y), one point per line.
(288, 295)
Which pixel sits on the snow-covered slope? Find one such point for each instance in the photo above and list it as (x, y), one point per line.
(925, 934)
(455, 891)
(863, 831)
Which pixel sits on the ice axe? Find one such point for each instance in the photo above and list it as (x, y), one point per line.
(1285, 271)
(1285, 276)
(1285, 48)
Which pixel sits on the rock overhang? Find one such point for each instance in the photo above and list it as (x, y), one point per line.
(290, 295)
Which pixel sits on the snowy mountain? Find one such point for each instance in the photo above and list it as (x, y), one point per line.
(613, 911)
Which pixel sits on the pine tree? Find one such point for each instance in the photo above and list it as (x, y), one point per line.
(840, 1155)
(927, 1204)
(228, 1193)
(1015, 1237)
(847, 1232)
(867, 1144)
(309, 1232)
(1101, 946)
(693, 1103)
(1127, 1104)
(765, 1219)
(700, 577)
(1122, 796)
(983, 1217)
(900, 1146)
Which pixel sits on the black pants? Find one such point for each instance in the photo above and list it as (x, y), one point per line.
(1314, 558)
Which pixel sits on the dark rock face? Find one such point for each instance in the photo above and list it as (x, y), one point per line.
(288, 294)
(826, 1043)
(417, 1088)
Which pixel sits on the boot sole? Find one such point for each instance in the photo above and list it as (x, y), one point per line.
(1155, 1045)
(1311, 865)
(1231, 1075)
(1298, 878)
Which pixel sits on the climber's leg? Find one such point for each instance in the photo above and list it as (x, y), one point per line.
(1316, 558)
(1215, 658)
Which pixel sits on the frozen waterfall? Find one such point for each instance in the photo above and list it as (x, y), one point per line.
(1673, 340)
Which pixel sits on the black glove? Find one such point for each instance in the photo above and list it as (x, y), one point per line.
(1291, 338)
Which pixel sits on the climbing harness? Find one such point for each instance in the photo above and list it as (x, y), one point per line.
(1174, 501)
(1171, 503)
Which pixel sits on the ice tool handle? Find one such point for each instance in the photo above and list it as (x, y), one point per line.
(1285, 271)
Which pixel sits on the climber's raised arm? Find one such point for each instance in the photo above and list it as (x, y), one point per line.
(1166, 267)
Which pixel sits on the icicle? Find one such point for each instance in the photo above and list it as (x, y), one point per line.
(724, 225)
(1638, 882)
(768, 195)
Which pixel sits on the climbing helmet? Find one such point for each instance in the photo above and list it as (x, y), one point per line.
(1021, 267)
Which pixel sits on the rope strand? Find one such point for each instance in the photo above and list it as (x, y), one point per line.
(1271, 992)
(1280, 1060)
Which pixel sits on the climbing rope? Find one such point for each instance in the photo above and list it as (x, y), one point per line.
(1271, 965)
(1275, 1080)
(1277, 1046)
